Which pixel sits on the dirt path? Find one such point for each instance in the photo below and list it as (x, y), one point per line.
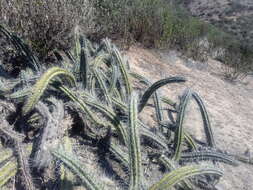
(230, 106)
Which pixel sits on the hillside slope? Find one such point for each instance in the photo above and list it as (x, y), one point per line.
(230, 105)
(233, 16)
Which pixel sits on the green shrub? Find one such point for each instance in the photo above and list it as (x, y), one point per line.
(181, 29)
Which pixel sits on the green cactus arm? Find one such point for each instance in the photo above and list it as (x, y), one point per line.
(102, 85)
(154, 87)
(67, 176)
(5, 154)
(123, 70)
(183, 173)
(207, 125)
(179, 133)
(41, 85)
(82, 105)
(83, 67)
(73, 164)
(134, 146)
(147, 82)
(7, 171)
(208, 155)
(170, 165)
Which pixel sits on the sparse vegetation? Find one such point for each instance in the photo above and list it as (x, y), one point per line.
(162, 24)
(87, 105)
(47, 26)
(237, 61)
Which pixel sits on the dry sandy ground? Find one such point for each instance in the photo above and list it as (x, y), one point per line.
(230, 106)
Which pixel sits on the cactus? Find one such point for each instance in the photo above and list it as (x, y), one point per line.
(115, 76)
(102, 85)
(208, 155)
(83, 68)
(102, 96)
(185, 184)
(67, 176)
(122, 68)
(8, 170)
(41, 85)
(154, 87)
(179, 134)
(51, 133)
(21, 47)
(134, 146)
(207, 125)
(23, 161)
(82, 105)
(5, 154)
(148, 83)
(182, 173)
(7, 130)
(75, 165)
(119, 154)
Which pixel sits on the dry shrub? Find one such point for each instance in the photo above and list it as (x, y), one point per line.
(49, 25)
(139, 20)
(46, 25)
(237, 63)
(151, 22)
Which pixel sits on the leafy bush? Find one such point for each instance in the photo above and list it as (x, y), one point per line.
(87, 105)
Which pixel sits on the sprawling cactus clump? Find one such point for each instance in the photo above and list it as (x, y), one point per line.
(61, 123)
